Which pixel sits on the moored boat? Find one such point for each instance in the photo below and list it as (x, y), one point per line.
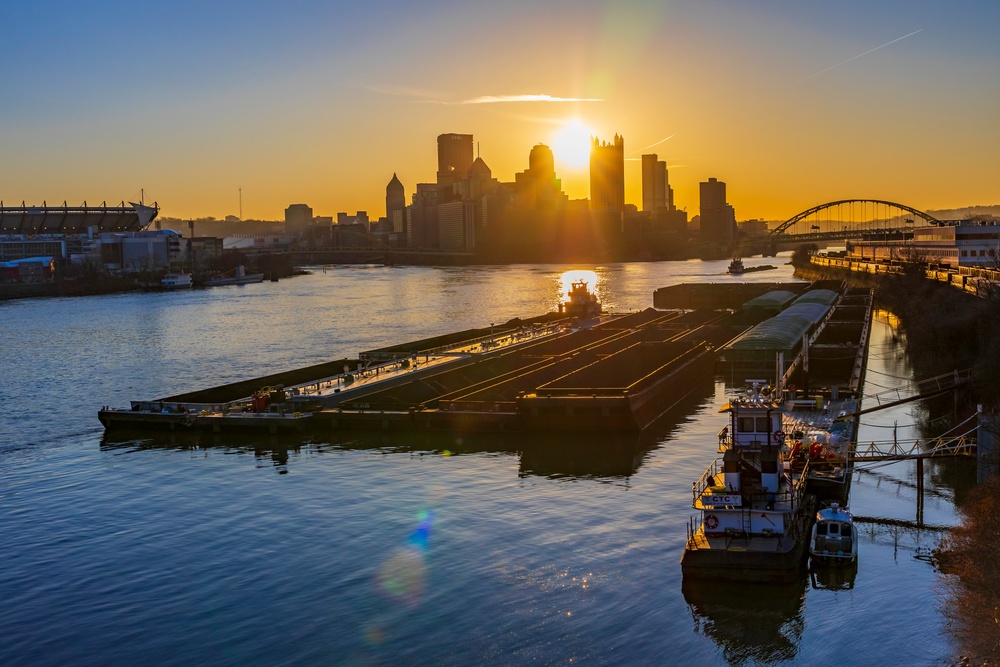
(754, 509)
(237, 276)
(834, 538)
(172, 281)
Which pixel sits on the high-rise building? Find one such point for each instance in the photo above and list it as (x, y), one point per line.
(395, 205)
(454, 158)
(655, 187)
(538, 183)
(607, 175)
(718, 219)
(298, 218)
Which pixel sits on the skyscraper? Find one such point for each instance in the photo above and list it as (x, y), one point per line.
(607, 175)
(718, 220)
(654, 183)
(538, 183)
(395, 204)
(454, 158)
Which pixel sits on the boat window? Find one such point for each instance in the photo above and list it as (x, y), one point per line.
(762, 425)
(745, 424)
(834, 529)
(821, 528)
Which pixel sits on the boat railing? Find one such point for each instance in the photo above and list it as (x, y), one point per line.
(703, 483)
(725, 439)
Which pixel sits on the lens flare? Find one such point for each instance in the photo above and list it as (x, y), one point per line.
(571, 145)
(403, 576)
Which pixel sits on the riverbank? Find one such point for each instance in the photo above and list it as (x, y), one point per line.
(272, 266)
(78, 287)
(944, 329)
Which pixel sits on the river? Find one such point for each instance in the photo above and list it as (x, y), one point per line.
(398, 549)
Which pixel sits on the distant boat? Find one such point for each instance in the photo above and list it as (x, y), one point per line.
(582, 303)
(736, 267)
(237, 276)
(172, 281)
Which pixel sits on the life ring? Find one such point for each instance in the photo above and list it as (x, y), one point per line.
(779, 436)
(711, 521)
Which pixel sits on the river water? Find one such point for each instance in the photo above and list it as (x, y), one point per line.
(399, 549)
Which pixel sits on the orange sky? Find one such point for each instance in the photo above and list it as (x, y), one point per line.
(791, 106)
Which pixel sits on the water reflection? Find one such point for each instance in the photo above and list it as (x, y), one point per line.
(752, 624)
(556, 456)
(833, 577)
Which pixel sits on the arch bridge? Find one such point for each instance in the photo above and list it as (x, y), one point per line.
(846, 219)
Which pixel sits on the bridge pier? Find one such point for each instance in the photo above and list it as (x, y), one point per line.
(920, 491)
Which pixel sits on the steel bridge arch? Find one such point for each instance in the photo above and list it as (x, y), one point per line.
(780, 229)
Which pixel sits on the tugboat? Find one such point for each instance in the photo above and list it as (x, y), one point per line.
(755, 512)
(736, 267)
(834, 538)
(582, 303)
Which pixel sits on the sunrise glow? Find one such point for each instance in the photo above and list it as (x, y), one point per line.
(571, 144)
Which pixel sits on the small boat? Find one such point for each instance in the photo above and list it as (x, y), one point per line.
(834, 538)
(172, 281)
(237, 276)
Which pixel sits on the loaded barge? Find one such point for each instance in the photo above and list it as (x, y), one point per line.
(554, 372)
(578, 370)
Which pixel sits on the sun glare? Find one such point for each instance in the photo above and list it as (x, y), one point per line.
(571, 144)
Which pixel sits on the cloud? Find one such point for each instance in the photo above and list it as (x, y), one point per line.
(432, 97)
(504, 99)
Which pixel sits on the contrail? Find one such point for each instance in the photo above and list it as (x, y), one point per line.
(657, 143)
(858, 56)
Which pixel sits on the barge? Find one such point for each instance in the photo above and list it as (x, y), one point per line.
(571, 371)
(608, 373)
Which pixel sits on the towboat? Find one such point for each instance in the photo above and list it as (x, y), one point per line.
(754, 509)
(736, 266)
(582, 303)
(834, 538)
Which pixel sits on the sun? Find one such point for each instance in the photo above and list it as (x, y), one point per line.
(571, 144)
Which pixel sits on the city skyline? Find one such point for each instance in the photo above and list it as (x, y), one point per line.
(790, 105)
